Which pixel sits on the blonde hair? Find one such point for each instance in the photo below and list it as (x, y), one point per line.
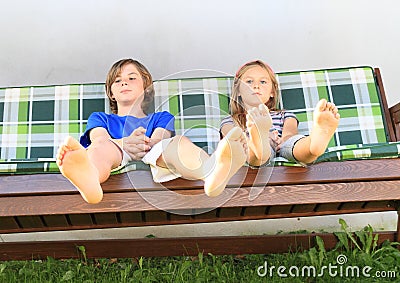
(115, 70)
(237, 108)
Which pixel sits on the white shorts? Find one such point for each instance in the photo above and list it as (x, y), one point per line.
(160, 174)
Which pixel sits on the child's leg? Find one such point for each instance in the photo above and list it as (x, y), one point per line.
(258, 124)
(326, 120)
(192, 162)
(86, 169)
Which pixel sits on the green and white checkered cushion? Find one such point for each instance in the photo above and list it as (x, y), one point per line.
(35, 120)
(361, 151)
(198, 105)
(354, 92)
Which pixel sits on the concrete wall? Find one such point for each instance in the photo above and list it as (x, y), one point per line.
(65, 41)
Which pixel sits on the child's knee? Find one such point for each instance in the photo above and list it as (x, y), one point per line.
(180, 140)
(100, 142)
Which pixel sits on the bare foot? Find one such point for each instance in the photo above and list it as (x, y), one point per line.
(74, 164)
(326, 121)
(258, 125)
(230, 155)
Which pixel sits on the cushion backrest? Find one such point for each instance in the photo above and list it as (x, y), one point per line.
(354, 92)
(198, 105)
(35, 120)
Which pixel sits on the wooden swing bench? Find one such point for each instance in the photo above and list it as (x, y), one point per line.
(359, 173)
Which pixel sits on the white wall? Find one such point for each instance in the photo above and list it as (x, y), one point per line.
(65, 41)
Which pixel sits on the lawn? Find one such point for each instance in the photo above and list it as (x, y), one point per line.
(357, 258)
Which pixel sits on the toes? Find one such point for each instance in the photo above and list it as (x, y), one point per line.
(72, 143)
(69, 144)
(256, 112)
(61, 151)
(243, 138)
(245, 146)
(263, 109)
(60, 157)
(252, 112)
(249, 118)
(322, 104)
(249, 123)
(330, 106)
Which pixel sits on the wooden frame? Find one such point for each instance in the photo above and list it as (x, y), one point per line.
(48, 202)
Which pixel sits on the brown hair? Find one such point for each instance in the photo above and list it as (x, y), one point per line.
(115, 70)
(238, 111)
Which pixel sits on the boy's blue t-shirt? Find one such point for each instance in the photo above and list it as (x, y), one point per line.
(122, 126)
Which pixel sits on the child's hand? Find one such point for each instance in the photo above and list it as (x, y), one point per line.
(275, 140)
(137, 144)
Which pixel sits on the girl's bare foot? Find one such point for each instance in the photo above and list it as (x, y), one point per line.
(74, 164)
(326, 121)
(258, 125)
(229, 156)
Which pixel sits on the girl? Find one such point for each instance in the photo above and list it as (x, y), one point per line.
(253, 107)
(111, 140)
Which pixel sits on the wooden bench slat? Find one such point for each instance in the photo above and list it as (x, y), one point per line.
(357, 170)
(181, 246)
(272, 195)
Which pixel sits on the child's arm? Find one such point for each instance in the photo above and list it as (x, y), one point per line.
(290, 128)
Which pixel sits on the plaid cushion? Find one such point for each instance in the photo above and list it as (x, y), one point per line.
(352, 90)
(198, 106)
(361, 151)
(35, 120)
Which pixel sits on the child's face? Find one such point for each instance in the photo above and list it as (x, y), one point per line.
(255, 87)
(128, 85)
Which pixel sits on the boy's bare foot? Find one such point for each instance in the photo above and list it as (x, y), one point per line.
(326, 120)
(258, 125)
(230, 155)
(74, 164)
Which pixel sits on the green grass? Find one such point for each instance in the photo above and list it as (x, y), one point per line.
(354, 252)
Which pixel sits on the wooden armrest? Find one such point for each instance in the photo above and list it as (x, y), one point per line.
(395, 117)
